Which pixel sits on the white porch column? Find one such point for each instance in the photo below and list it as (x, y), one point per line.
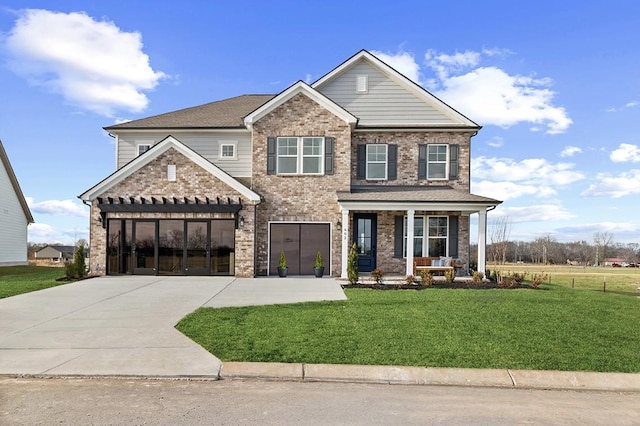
(345, 242)
(410, 232)
(482, 241)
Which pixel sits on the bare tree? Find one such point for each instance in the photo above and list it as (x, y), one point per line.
(500, 232)
(602, 241)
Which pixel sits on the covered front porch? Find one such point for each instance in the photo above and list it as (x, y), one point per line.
(391, 226)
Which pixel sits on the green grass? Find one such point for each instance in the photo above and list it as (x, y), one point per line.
(554, 328)
(16, 280)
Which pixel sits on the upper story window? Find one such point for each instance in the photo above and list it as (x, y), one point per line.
(377, 162)
(143, 147)
(438, 161)
(228, 150)
(300, 155)
(306, 155)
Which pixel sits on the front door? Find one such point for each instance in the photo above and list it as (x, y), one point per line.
(144, 247)
(364, 235)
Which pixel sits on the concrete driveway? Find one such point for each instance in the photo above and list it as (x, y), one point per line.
(125, 325)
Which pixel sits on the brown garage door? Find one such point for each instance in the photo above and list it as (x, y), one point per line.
(300, 243)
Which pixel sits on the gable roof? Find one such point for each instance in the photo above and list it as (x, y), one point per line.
(453, 117)
(153, 153)
(226, 113)
(4, 159)
(300, 87)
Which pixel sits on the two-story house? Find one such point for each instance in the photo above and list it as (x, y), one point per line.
(15, 216)
(362, 155)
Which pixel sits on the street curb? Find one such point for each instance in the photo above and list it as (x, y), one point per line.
(505, 378)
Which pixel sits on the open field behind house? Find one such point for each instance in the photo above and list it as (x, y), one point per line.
(617, 280)
(16, 280)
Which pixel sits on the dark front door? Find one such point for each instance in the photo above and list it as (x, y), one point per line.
(364, 235)
(144, 247)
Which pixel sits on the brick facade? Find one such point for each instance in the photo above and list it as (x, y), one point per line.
(191, 181)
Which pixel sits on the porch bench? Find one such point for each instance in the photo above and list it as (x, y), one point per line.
(424, 264)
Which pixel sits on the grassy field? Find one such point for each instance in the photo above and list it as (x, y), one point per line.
(616, 280)
(23, 279)
(553, 328)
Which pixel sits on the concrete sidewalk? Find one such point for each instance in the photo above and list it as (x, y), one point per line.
(124, 327)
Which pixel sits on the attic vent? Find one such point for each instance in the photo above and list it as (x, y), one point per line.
(362, 84)
(171, 172)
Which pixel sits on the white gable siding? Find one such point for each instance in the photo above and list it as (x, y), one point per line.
(13, 224)
(204, 143)
(384, 102)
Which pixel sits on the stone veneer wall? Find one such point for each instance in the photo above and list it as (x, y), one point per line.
(408, 143)
(301, 198)
(191, 181)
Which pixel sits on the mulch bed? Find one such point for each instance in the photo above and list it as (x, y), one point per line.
(485, 285)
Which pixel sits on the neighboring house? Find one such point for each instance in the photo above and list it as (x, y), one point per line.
(15, 216)
(363, 156)
(55, 253)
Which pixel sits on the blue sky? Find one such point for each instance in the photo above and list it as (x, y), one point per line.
(555, 85)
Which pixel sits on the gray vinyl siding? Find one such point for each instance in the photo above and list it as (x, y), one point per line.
(13, 224)
(204, 143)
(386, 102)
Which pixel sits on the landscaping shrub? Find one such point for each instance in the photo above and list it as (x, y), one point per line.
(352, 265)
(377, 275)
(426, 278)
(449, 276)
(478, 276)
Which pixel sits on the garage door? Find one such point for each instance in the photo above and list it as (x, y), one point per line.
(300, 243)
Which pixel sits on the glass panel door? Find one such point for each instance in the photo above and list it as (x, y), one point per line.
(223, 247)
(144, 247)
(171, 247)
(198, 259)
(364, 235)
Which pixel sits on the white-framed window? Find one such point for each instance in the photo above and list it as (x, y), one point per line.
(143, 147)
(437, 161)
(377, 162)
(433, 243)
(362, 83)
(171, 172)
(300, 155)
(228, 150)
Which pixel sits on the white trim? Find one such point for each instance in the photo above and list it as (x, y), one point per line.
(300, 88)
(345, 242)
(412, 87)
(158, 149)
(171, 172)
(139, 145)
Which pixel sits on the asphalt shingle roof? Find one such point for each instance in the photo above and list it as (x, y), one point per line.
(227, 113)
(412, 194)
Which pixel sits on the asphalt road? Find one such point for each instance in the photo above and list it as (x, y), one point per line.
(88, 401)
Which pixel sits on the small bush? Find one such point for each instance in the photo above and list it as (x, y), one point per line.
(426, 278)
(352, 265)
(410, 279)
(78, 262)
(377, 275)
(282, 261)
(69, 270)
(510, 279)
(537, 279)
(450, 275)
(478, 276)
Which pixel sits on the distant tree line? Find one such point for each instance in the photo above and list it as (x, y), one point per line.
(547, 250)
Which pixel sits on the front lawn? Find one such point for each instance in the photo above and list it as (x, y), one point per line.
(16, 280)
(555, 328)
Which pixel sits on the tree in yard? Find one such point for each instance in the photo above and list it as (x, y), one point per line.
(352, 265)
(78, 262)
(500, 232)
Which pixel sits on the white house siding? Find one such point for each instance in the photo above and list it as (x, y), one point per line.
(13, 224)
(386, 101)
(206, 144)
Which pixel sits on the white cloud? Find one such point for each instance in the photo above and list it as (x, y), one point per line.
(534, 213)
(504, 191)
(626, 153)
(536, 171)
(496, 142)
(403, 62)
(628, 105)
(606, 185)
(570, 151)
(41, 232)
(58, 207)
(92, 64)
